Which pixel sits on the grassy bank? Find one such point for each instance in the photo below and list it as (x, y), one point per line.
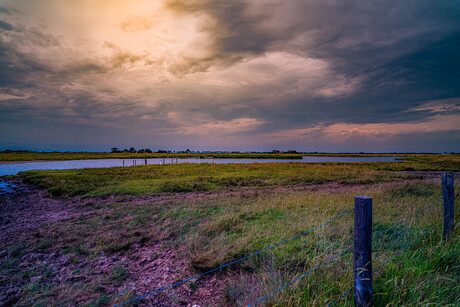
(155, 179)
(59, 156)
(97, 243)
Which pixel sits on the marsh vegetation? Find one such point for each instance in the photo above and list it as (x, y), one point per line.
(101, 230)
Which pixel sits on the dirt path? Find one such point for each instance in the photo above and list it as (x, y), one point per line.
(149, 267)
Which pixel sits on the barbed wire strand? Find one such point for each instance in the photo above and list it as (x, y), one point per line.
(236, 261)
(388, 261)
(401, 195)
(302, 276)
(348, 291)
(407, 247)
(405, 220)
(264, 250)
(342, 296)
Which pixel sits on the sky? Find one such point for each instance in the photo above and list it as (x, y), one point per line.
(255, 75)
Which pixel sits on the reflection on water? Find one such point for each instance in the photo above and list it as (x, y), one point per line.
(13, 169)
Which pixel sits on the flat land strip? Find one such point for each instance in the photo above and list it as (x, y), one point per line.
(60, 156)
(98, 237)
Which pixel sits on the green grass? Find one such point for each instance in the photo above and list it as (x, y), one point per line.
(155, 179)
(211, 230)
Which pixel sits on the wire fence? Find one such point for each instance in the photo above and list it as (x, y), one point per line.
(348, 249)
(399, 253)
(379, 269)
(236, 261)
(317, 267)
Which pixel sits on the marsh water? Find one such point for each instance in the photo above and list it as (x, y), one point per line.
(7, 188)
(13, 169)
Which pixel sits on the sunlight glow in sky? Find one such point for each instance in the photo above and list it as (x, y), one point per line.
(230, 75)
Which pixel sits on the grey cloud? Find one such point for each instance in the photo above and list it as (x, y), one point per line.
(236, 37)
(405, 54)
(84, 67)
(20, 70)
(5, 26)
(55, 99)
(4, 10)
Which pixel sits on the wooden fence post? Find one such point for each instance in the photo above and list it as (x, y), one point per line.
(448, 198)
(362, 255)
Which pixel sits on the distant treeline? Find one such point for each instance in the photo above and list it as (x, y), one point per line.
(147, 150)
(188, 151)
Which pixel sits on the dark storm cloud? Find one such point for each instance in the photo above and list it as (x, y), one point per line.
(48, 96)
(363, 34)
(387, 91)
(406, 52)
(237, 36)
(15, 67)
(398, 55)
(5, 26)
(4, 10)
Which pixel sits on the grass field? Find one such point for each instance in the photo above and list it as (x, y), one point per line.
(154, 179)
(213, 214)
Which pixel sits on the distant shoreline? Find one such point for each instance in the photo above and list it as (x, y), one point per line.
(23, 157)
(25, 161)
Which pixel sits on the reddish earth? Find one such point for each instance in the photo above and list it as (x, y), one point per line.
(150, 267)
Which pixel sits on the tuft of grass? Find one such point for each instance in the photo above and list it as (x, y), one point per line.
(118, 274)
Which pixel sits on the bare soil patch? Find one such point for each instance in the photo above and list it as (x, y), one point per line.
(144, 268)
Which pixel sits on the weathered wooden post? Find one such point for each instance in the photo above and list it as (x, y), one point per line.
(145, 161)
(448, 198)
(362, 256)
(123, 163)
